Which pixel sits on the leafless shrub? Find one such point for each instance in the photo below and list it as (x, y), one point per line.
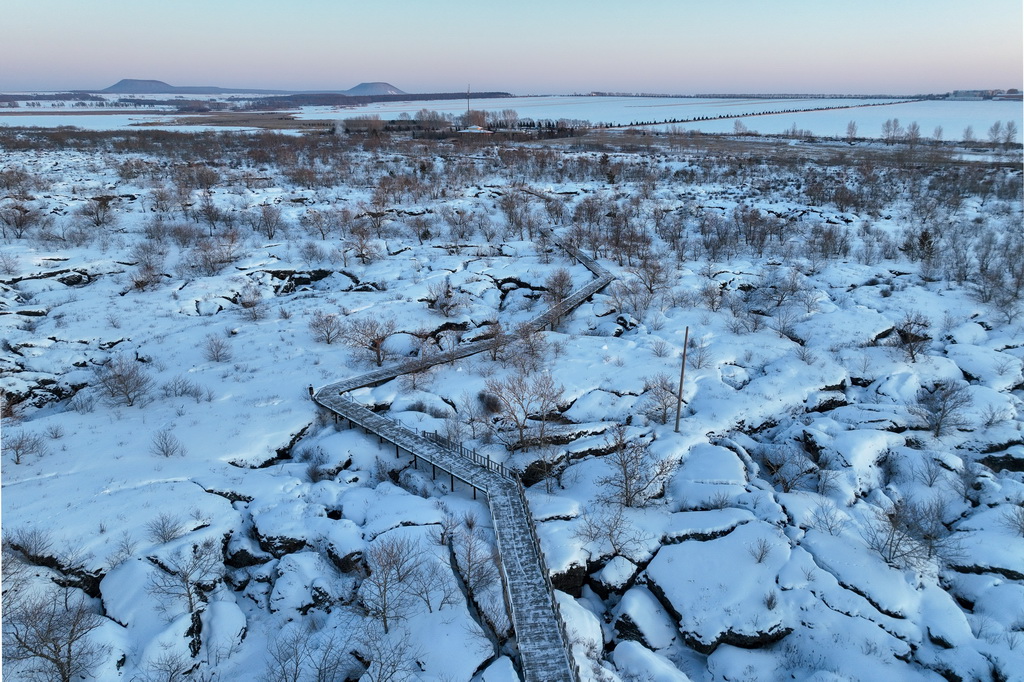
(805, 355)
(387, 658)
(98, 211)
(475, 559)
(660, 397)
(1013, 518)
(9, 263)
(964, 481)
(188, 574)
(123, 380)
(912, 335)
(35, 544)
(661, 349)
(326, 327)
(713, 296)
(631, 296)
(698, 355)
(993, 414)
(180, 387)
(910, 534)
(216, 348)
(519, 397)
(827, 518)
(941, 407)
(720, 500)
(369, 334)
(929, 471)
(17, 219)
(787, 466)
(50, 636)
(558, 286)
(166, 527)
(165, 444)
(250, 300)
(760, 550)
(636, 476)
(169, 666)
(123, 550)
(611, 527)
(445, 299)
(21, 444)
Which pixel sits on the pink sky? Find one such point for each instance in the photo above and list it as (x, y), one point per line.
(665, 46)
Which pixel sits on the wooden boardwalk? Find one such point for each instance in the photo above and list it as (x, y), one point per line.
(540, 632)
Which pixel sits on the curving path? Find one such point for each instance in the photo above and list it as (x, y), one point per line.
(540, 632)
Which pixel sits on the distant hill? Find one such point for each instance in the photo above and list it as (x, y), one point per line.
(135, 86)
(373, 89)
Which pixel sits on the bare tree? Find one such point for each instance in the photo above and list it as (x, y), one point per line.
(787, 465)
(887, 534)
(912, 335)
(386, 593)
(14, 570)
(21, 444)
(908, 534)
(433, 585)
(520, 398)
(1013, 518)
(652, 272)
(610, 526)
(123, 380)
(326, 327)
(444, 298)
(558, 286)
(19, 219)
(51, 635)
(524, 349)
(370, 334)
(269, 220)
(995, 133)
(636, 475)
(165, 527)
(386, 657)
(287, 655)
(1009, 134)
(892, 131)
(660, 397)
(189, 574)
(476, 562)
(250, 299)
(942, 406)
(97, 211)
(169, 666)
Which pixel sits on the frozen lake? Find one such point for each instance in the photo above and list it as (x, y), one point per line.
(830, 119)
(869, 114)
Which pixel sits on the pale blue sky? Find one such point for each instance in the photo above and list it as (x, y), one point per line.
(524, 47)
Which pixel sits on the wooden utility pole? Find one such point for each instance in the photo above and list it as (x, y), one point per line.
(682, 375)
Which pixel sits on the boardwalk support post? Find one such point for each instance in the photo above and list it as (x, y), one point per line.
(682, 375)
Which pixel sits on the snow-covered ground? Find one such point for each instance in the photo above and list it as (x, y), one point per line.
(842, 500)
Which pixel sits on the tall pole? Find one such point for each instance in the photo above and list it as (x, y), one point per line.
(682, 375)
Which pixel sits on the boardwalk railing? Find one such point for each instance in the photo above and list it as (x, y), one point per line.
(544, 646)
(471, 455)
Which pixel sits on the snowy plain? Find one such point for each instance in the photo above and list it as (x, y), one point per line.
(755, 556)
